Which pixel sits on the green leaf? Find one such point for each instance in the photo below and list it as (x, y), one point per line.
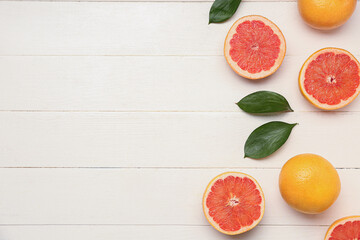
(264, 102)
(222, 10)
(267, 138)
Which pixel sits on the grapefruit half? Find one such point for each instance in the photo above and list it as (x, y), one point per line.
(330, 78)
(233, 203)
(254, 47)
(344, 228)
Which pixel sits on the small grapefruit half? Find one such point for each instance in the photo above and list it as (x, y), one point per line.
(233, 203)
(254, 47)
(330, 78)
(344, 228)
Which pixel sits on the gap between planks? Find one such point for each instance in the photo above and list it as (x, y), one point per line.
(162, 225)
(159, 111)
(168, 1)
(144, 1)
(138, 55)
(161, 168)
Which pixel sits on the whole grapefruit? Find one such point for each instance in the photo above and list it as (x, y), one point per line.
(309, 183)
(326, 14)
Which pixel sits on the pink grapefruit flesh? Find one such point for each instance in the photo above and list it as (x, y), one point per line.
(330, 78)
(233, 203)
(254, 47)
(347, 228)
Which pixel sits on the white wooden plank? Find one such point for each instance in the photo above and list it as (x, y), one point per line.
(116, 84)
(167, 139)
(143, 196)
(146, 0)
(149, 0)
(155, 232)
(140, 28)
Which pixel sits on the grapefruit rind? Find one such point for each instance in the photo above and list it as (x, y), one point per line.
(313, 100)
(322, 16)
(301, 183)
(338, 222)
(262, 74)
(216, 225)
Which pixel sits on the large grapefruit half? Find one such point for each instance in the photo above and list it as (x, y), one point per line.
(330, 78)
(254, 47)
(233, 203)
(347, 228)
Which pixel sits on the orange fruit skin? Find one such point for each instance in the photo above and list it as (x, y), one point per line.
(277, 64)
(207, 190)
(326, 14)
(309, 183)
(339, 221)
(313, 101)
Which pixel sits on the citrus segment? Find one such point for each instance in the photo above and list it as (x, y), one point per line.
(254, 47)
(344, 229)
(233, 203)
(330, 78)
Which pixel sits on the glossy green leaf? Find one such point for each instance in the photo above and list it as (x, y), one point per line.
(267, 138)
(222, 10)
(264, 102)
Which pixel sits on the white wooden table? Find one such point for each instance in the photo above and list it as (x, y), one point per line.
(114, 116)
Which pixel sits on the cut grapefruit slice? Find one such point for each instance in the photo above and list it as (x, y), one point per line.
(330, 78)
(347, 228)
(233, 203)
(254, 47)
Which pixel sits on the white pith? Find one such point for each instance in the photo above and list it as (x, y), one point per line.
(233, 201)
(206, 209)
(234, 65)
(310, 97)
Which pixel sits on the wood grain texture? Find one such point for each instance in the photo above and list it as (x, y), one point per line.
(143, 196)
(154, 232)
(153, 28)
(167, 139)
(114, 116)
(164, 83)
